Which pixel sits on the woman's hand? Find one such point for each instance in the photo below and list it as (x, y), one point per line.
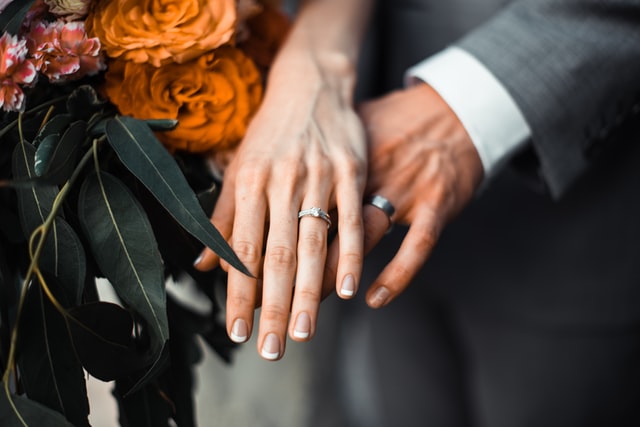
(304, 148)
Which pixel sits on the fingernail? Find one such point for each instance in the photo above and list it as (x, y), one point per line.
(197, 261)
(379, 297)
(302, 326)
(348, 286)
(271, 347)
(239, 331)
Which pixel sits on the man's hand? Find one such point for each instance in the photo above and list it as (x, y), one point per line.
(423, 161)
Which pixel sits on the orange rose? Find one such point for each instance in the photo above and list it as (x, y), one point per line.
(161, 31)
(213, 97)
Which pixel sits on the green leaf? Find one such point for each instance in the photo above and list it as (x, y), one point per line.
(51, 374)
(103, 340)
(148, 407)
(125, 249)
(55, 126)
(56, 157)
(35, 203)
(44, 152)
(98, 128)
(63, 255)
(149, 161)
(143, 378)
(21, 411)
(161, 124)
(12, 16)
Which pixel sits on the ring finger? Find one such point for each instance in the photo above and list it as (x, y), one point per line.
(313, 228)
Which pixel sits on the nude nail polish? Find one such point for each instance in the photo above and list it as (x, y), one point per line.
(348, 287)
(303, 326)
(239, 331)
(270, 347)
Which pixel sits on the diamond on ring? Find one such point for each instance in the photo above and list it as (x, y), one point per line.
(316, 212)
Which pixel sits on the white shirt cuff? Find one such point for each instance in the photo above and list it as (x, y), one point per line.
(491, 117)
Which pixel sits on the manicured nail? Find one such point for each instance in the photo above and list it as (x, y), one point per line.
(271, 347)
(302, 326)
(239, 331)
(379, 297)
(348, 286)
(197, 261)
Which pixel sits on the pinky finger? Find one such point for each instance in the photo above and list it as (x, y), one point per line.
(412, 255)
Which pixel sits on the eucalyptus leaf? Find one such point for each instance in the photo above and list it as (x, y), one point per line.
(44, 152)
(63, 254)
(34, 203)
(102, 337)
(147, 407)
(56, 157)
(21, 411)
(138, 382)
(50, 372)
(161, 124)
(141, 152)
(55, 126)
(125, 249)
(13, 14)
(98, 128)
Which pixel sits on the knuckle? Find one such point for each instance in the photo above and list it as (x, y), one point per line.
(280, 257)
(239, 300)
(273, 313)
(352, 258)
(247, 251)
(308, 294)
(352, 166)
(321, 165)
(352, 221)
(254, 173)
(313, 239)
(427, 240)
(289, 174)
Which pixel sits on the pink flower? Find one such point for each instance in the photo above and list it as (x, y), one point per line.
(15, 70)
(63, 52)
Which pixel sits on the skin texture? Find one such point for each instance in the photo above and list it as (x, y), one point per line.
(422, 160)
(304, 148)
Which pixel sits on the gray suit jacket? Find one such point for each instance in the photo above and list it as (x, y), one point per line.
(555, 237)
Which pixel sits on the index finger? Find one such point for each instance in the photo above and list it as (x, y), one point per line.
(412, 255)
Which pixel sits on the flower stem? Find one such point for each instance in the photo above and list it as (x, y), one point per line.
(35, 109)
(42, 231)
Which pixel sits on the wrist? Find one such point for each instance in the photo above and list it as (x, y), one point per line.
(307, 69)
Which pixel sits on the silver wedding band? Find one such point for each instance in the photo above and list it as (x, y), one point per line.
(317, 213)
(383, 204)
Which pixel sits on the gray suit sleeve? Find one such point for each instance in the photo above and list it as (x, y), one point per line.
(573, 68)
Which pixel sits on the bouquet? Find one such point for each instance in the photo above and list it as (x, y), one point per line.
(114, 116)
